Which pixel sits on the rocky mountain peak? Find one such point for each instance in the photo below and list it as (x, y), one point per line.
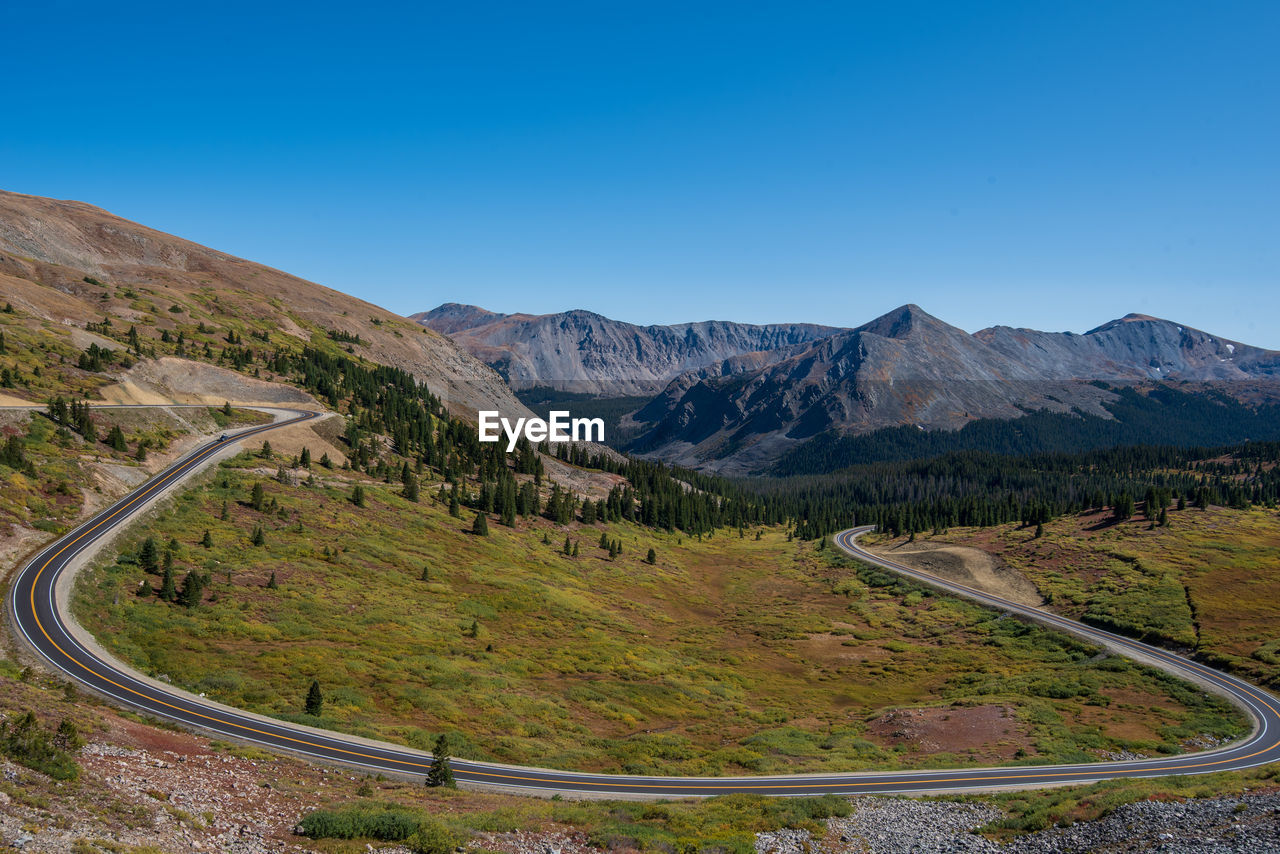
(451, 317)
(906, 321)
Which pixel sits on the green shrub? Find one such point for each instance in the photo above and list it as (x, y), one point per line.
(389, 823)
(432, 837)
(27, 743)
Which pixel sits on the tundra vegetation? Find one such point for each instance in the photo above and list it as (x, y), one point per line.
(729, 653)
(1206, 581)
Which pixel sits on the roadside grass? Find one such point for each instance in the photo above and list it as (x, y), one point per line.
(729, 655)
(1208, 582)
(725, 824)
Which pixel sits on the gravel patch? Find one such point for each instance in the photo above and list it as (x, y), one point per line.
(1243, 825)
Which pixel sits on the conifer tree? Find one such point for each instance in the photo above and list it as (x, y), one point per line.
(604, 540)
(315, 700)
(149, 555)
(568, 548)
(271, 582)
(651, 558)
(259, 536)
(304, 459)
(207, 540)
(192, 590)
(426, 573)
(480, 526)
(145, 589)
(257, 498)
(440, 774)
(357, 496)
(575, 548)
(168, 591)
(1123, 508)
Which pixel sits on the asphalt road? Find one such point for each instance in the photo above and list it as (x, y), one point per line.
(37, 614)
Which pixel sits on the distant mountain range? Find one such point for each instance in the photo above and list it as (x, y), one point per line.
(579, 351)
(737, 397)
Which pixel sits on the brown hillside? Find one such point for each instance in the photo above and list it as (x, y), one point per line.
(160, 282)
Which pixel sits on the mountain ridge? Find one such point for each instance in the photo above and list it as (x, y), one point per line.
(905, 367)
(583, 351)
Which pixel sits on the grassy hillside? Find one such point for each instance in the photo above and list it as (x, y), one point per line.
(1208, 581)
(68, 264)
(52, 477)
(727, 655)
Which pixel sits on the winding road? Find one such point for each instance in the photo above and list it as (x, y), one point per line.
(38, 608)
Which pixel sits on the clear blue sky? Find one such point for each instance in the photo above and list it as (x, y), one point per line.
(1039, 164)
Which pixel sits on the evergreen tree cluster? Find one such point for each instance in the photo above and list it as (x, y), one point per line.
(73, 415)
(973, 488)
(13, 454)
(1163, 415)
